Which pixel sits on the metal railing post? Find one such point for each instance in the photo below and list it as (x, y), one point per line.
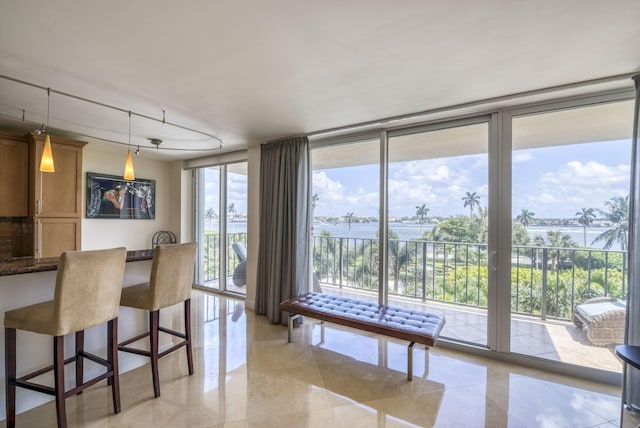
(543, 295)
(424, 270)
(340, 263)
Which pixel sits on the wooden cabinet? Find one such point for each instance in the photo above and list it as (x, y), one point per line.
(57, 194)
(55, 198)
(14, 178)
(55, 235)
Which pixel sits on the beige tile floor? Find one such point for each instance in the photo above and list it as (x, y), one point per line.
(248, 376)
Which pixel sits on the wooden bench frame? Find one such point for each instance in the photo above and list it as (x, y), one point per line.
(298, 307)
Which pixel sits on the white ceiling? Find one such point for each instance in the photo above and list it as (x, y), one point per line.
(252, 71)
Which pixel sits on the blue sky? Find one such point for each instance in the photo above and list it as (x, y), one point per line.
(236, 190)
(551, 182)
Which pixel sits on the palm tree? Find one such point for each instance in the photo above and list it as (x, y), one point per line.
(349, 217)
(482, 224)
(209, 214)
(525, 218)
(471, 200)
(434, 234)
(557, 239)
(422, 211)
(314, 201)
(617, 214)
(232, 210)
(585, 218)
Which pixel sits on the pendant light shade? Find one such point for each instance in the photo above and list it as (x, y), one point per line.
(128, 168)
(46, 162)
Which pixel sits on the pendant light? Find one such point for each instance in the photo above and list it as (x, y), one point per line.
(46, 162)
(128, 166)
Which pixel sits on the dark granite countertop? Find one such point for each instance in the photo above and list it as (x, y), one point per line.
(18, 265)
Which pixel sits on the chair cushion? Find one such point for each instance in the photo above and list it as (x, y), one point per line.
(37, 318)
(592, 310)
(137, 296)
(87, 294)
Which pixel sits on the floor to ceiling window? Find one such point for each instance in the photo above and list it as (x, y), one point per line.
(221, 223)
(504, 223)
(345, 203)
(570, 196)
(438, 224)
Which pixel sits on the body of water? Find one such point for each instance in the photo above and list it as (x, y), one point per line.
(409, 231)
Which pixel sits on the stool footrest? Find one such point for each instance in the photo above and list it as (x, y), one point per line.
(88, 383)
(134, 351)
(44, 370)
(172, 332)
(34, 386)
(23, 381)
(133, 339)
(170, 350)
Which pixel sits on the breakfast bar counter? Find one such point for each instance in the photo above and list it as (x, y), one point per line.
(20, 265)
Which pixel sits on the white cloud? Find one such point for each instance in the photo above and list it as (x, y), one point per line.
(326, 188)
(520, 157)
(588, 174)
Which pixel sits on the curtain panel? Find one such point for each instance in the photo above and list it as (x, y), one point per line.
(283, 255)
(632, 332)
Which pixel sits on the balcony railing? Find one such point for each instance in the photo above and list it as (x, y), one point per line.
(546, 282)
(212, 254)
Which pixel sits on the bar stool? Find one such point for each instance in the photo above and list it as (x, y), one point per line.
(87, 294)
(170, 283)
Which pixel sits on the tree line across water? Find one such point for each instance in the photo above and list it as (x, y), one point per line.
(474, 227)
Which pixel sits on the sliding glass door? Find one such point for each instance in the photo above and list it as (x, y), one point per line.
(221, 222)
(512, 225)
(438, 224)
(570, 198)
(345, 203)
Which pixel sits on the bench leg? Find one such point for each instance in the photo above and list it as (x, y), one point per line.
(292, 318)
(322, 332)
(426, 361)
(410, 361)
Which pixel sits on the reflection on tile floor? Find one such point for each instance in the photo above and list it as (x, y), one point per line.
(248, 376)
(552, 339)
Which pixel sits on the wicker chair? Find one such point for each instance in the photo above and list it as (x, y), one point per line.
(604, 319)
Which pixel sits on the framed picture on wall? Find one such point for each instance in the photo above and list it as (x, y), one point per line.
(110, 196)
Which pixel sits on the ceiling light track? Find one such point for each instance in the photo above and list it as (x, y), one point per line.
(123, 110)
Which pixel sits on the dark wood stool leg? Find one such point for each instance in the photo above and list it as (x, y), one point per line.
(58, 380)
(10, 374)
(187, 333)
(79, 359)
(154, 323)
(112, 357)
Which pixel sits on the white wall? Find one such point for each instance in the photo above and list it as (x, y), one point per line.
(133, 234)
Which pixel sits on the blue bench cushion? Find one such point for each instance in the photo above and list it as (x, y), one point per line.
(415, 326)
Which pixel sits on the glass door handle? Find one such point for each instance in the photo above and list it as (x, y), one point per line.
(492, 261)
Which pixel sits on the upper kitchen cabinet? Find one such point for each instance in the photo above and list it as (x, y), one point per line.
(57, 194)
(14, 178)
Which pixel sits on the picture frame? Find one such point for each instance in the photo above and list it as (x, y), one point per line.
(110, 196)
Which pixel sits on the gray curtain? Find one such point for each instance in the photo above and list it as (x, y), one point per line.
(633, 296)
(283, 255)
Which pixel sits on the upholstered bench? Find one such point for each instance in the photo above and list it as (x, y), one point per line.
(405, 324)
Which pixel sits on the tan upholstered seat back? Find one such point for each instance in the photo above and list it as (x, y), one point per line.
(172, 274)
(88, 288)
